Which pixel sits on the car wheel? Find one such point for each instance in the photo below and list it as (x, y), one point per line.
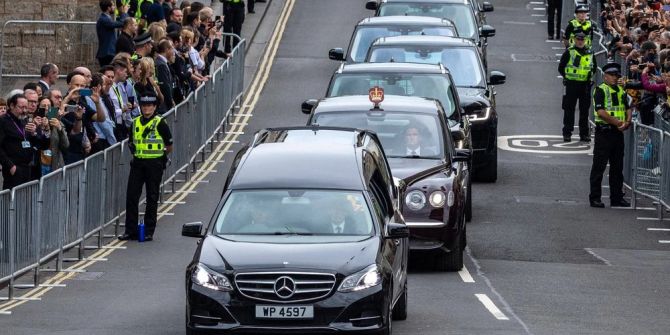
(489, 172)
(451, 261)
(468, 202)
(400, 308)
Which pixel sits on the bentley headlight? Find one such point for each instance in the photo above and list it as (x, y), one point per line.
(483, 115)
(205, 277)
(437, 199)
(361, 280)
(415, 200)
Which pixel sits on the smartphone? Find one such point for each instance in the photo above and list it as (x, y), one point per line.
(41, 112)
(52, 113)
(131, 100)
(71, 108)
(85, 92)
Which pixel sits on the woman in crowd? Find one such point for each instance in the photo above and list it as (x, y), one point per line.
(52, 159)
(145, 82)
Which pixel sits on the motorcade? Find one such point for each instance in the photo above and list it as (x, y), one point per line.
(307, 238)
(422, 154)
(476, 89)
(370, 29)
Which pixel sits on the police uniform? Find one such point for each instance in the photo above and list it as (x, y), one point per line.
(150, 140)
(574, 27)
(577, 66)
(609, 141)
(139, 41)
(233, 10)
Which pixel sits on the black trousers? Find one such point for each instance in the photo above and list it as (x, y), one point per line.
(23, 174)
(250, 5)
(609, 147)
(234, 14)
(576, 92)
(147, 172)
(555, 7)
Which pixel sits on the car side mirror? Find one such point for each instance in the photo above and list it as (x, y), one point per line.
(497, 78)
(458, 134)
(336, 54)
(397, 230)
(487, 31)
(308, 105)
(371, 5)
(462, 155)
(487, 7)
(192, 229)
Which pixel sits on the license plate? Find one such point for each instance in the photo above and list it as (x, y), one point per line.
(284, 312)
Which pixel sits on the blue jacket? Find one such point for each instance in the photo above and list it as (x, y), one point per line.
(106, 28)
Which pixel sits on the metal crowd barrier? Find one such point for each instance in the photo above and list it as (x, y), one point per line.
(25, 45)
(41, 220)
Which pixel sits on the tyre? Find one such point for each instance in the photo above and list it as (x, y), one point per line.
(400, 308)
(451, 261)
(489, 173)
(468, 202)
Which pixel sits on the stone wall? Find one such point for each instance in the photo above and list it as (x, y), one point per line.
(28, 46)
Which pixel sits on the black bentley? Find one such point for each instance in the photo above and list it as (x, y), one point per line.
(421, 151)
(306, 238)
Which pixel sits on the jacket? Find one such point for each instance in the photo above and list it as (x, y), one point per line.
(11, 149)
(165, 83)
(106, 28)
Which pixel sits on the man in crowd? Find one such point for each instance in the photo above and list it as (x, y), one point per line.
(106, 28)
(48, 76)
(125, 42)
(164, 57)
(19, 142)
(120, 98)
(554, 8)
(233, 10)
(151, 143)
(143, 46)
(174, 20)
(156, 12)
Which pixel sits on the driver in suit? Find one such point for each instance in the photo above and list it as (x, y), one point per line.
(414, 143)
(341, 218)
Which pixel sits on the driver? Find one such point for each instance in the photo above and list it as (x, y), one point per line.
(414, 143)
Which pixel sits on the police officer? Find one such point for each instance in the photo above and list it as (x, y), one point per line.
(612, 117)
(151, 142)
(233, 10)
(577, 67)
(579, 24)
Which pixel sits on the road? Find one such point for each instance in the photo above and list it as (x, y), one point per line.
(540, 260)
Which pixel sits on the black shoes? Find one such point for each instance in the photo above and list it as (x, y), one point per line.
(567, 138)
(550, 37)
(585, 139)
(597, 204)
(127, 237)
(148, 237)
(620, 203)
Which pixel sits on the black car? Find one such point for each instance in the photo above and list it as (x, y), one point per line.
(307, 238)
(479, 7)
(421, 152)
(475, 89)
(461, 12)
(370, 29)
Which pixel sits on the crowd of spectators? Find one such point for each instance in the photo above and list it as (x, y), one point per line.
(637, 33)
(156, 46)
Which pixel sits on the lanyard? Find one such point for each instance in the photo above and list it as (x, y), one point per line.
(21, 131)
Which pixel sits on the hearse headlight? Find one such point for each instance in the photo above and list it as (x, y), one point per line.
(483, 115)
(369, 277)
(415, 200)
(206, 277)
(437, 199)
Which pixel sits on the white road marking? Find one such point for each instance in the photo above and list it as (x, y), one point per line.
(537, 3)
(465, 275)
(558, 48)
(539, 8)
(664, 241)
(543, 21)
(493, 309)
(658, 229)
(600, 258)
(559, 77)
(552, 41)
(652, 219)
(536, 15)
(520, 23)
(559, 55)
(639, 208)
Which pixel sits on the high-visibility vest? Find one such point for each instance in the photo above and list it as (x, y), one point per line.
(583, 27)
(579, 66)
(138, 12)
(123, 3)
(616, 109)
(151, 146)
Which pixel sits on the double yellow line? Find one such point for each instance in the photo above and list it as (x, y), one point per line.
(238, 125)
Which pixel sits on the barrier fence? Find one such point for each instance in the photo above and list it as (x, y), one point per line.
(42, 220)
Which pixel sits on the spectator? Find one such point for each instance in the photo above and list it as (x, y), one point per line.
(18, 141)
(56, 97)
(48, 76)
(196, 6)
(185, 5)
(156, 13)
(106, 28)
(168, 5)
(157, 32)
(125, 42)
(3, 107)
(33, 100)
(77, 118)
(106, 96)
(120, 100)
(174, 20)
(33, 87)
(84, 71)
(105, 127)
(194, 62)
(179, 69)
(165, 57)
(143, 46)
(145, 81)
(52, 158)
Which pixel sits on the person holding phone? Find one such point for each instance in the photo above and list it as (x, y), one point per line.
(51, 159)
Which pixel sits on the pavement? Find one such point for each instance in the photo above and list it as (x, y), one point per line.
(539, 260)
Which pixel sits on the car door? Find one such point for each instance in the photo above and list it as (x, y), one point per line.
(392, 249)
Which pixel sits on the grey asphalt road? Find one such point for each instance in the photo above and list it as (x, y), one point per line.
(537, 253)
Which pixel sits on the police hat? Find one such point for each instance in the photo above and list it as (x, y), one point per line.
(142, 39)
(582, 9)
(148, 98)
(612, 68)
(580, 36)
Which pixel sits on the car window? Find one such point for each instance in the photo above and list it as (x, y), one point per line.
(436, 86)
(463, 63)
(364, 36)
(460, 14)
(399, 133)
(294, 212)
